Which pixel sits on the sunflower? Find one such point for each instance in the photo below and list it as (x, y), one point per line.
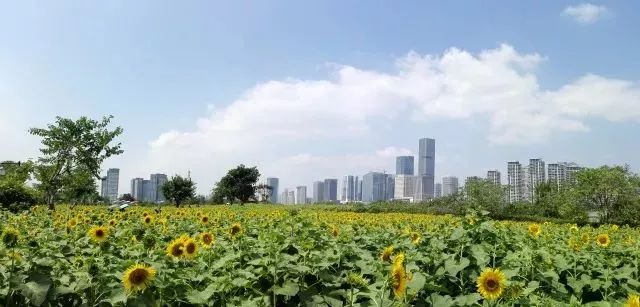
(603, 240)
(10, 236)
(207, 239)
(633, 301)
(235, 229)
(585, 238)
(98, 233)
(398, 276)
(190, 248)
(175, 249)
(491, 283)
(147, 220)
(112, 222)
(72, 223)
(138, 277)
(386, 254)
(335, 231)
(573, 228)
(204, 219)
(534, 230)
(415, 238)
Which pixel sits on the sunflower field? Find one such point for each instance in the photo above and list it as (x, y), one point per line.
(284, 256)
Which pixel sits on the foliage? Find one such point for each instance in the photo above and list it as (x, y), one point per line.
(127, 197)
(275, 256)
(238, 184)
(484, 195)
(179, 189)
(15, 194)
(264, 191)
(71, 151)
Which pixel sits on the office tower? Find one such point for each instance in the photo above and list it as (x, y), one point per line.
(349, 188)
(404, 165)
(291, 197)
(535, 174)
(110, 184)
(438, 190)
(377, 186)
(301, 195)
(156, 183)
(515, 178)
(404, 185)
(330, 190)
(146, 191)
(426, 169)
(449, 185)
(273, 194)
(282, 198)
(494, 177)
(359, 190)
(318, 192)
(137, 190)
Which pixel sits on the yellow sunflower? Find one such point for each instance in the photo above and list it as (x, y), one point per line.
(415, 238)
(175, 249)
(204, 219)
(603, 240)
(335, 231)
(534, 230)
(10, 236)
(398, 277)
(386, 254)
(633, 301)
(72, 223)
(190, 248)
(147, 220)
(235, 229)
(491, 283)
(207, 239)
(585, 238)
(112, 222)
(98, 233)
(138, 277)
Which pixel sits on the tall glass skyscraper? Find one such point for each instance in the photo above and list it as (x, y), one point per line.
(331, 190)
(273, 183)
(404, 165)
(426, 169)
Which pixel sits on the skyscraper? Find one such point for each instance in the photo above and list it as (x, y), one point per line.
(515, 176)
(291, 197)
(330, 190)
(301, 194)
(449, 185)
(404, 185)
(535, 175)
(562, 173)
(494, 177)
(318, 191)
(426, 169)
(377, 186)
(273, 194)
(110, 184)
(438, 190)
(349, 188)
(156, 183)
(137, 190)
(404, 165)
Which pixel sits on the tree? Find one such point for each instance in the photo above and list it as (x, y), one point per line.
(178, 189)
(238, 184)
(607, 189)
(127, 197)
(79, 186)
(484, 195)
(15, 194)
(68, 145)
(264, 191)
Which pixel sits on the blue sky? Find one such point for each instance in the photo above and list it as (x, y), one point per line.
(315, 89)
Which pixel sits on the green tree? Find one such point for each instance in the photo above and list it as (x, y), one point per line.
(15, 194)
(238, 184)
(484, 195)
(178, 189)
(70, 144)
(608, 190)
(127, 197)
(79, 186)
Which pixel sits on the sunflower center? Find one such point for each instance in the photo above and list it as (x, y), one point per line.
(207, 239)
(603, 240)
(99, 233)
(191, 248)
(176, 250)
(491, 284)
(205, 219)
(138, 276)
(147, 220)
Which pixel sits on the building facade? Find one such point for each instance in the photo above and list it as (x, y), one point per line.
(515, 178)
(562, 173)
(349, 188)
(535, 175)
(137, 190)
(494, 177)
(273, 182)
(330, 190)
(438, 190)
(450, 185)
(426, 169)
(404, 165)
(301, 195)
(318, 192)
(404, 185)
(157, 181)
(109, 187)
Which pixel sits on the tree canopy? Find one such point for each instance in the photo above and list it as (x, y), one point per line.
(238, 184)
(179, 189)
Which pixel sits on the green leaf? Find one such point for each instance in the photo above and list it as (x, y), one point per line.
(467, 300)
(201, 297)
(287, 289)
(417, 282)
(36, 292)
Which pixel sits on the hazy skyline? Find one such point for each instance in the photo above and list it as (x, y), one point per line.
(314, 90)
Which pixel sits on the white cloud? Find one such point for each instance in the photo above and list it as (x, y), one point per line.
(393, 151)
(585, 13)
(276, 118)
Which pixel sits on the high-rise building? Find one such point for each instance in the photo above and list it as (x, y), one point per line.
(359, 186)
(318, 191)
(137, 190)
(330, 190)
(110, 184)
(515, 177)
(273, 194)
(282, 198)
(494, 177)
(146, 191)
(438, 190)
(377, 186)
(426, 169)
(157, 181)
(535, 175)
(562, 173)
(404, 185)
(349, 188)
(449, 185)
(404, 165)
(301, 194)
(291, 197)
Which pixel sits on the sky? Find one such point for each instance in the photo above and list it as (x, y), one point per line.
(307, 90)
